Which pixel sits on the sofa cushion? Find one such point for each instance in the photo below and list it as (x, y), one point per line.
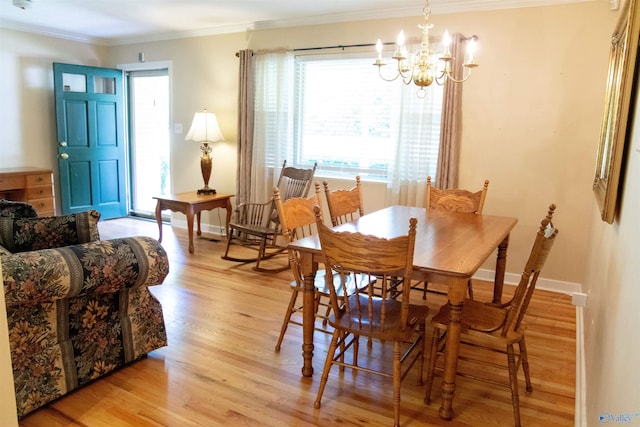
(105, 266)
(29, 234)
(11, 209)
(4, 251)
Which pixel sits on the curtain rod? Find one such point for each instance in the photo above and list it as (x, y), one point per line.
(474, 37)
(303, 49)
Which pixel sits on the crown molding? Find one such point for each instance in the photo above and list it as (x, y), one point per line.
(437, 7)
(48, 32)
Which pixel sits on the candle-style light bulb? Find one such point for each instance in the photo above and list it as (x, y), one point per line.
(471, 51)
(446, 43)
(400, 41)
(400, 46)
(379, 49)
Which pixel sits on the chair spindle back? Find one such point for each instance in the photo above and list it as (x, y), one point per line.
(524, 291)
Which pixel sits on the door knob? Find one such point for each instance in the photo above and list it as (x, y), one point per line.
(63, 143)
(64, 156)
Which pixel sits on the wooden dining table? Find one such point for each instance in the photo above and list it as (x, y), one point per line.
(449, 249)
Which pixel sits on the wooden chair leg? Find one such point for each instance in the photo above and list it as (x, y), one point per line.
(397, 374)
(261, 251)
(343, 340)
(356, 349)
(327, 367)
(513, 379)
(229, 239)
(326, 315)
(433, 353)
(422, 331)
(287, 316)
(525, 365)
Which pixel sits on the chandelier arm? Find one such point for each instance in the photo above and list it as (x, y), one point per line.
(440, 79)
(449, 76)
(385, 78)
(407, 79)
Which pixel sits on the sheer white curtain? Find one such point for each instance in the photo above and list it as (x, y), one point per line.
(273, 120)
(417, 145)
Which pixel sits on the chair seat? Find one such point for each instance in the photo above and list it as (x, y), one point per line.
(357, 320)
(476, 315)
(257, 230)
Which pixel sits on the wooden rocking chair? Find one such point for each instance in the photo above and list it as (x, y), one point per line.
(256, 225)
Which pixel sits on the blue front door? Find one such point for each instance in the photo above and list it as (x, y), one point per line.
(91, 146)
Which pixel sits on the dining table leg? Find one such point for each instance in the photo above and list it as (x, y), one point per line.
(457, 290)
(308, 268)
(501, 265)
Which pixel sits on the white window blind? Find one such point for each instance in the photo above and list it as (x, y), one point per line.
(350, 121)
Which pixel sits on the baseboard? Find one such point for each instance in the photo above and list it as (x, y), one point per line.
(580, 416)
(216, 230)
(568, 288)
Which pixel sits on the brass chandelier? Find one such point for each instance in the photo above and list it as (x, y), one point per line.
(426, 66)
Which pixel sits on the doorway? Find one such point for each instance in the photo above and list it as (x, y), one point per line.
(149, 139)
(91, 144)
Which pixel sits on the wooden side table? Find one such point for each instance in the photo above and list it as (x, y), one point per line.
(192, 204)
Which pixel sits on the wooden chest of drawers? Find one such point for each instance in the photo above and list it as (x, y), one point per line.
(31, 185)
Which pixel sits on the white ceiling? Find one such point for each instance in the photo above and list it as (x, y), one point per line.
(112, 22)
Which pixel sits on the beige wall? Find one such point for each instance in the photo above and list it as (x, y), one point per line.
(531, 124)
(611, 319)
(531, 111)
(27, 115)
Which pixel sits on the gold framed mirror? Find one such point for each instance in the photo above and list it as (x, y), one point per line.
(613, 134)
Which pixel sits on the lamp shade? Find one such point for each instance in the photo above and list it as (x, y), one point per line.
(204, 128)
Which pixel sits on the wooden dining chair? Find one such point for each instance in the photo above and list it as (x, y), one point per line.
(344, 205)
(455, 199)
(489, 327)
(256, 225)
(298, 220)
(364, 314)
(451, 200)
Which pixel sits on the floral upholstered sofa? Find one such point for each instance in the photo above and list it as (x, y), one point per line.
(77, 307)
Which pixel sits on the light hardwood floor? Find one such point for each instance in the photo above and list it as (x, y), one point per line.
(220, 367)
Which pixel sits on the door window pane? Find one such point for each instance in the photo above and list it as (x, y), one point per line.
(74, 82)
(104, 85)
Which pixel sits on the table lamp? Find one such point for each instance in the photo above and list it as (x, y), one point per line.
(205, 129)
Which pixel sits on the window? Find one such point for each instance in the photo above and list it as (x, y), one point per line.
(350, 121)
(337, 111)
